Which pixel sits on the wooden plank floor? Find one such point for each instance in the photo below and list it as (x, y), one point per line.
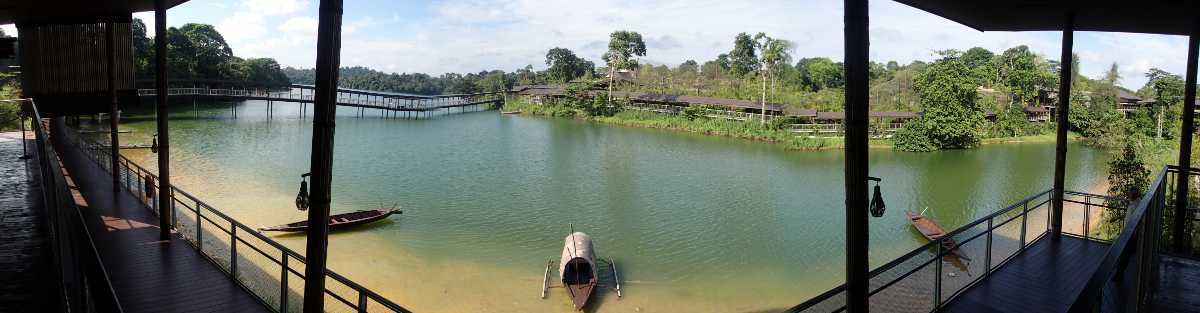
(1178, 285)
(1045, 278)
(25, 251)
(148, 275)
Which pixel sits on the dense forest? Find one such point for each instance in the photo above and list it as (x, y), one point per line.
(199, 52)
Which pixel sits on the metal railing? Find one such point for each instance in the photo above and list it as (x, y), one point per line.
(927, 278)
(81, 274)
(1127, 275)
(224, 240)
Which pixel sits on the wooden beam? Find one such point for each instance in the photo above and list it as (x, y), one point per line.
(161, 116)
(324, 111)
(1179, 239)
(857, 41)
(1064, 103)
(114, 111)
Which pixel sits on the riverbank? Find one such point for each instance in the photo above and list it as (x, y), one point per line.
(753, 131)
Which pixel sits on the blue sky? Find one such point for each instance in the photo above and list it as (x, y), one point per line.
(472, 35)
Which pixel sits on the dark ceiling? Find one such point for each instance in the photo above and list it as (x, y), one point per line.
(1170, 17)
(72, 11)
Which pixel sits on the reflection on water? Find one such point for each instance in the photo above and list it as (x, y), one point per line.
(695, 223)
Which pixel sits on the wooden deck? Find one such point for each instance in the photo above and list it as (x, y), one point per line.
(1045, 278)
(1178, 285)
(148, 275)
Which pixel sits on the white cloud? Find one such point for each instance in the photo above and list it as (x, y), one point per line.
(275, 7)
(9, 29)
(242, 26)
(473, 35)
(304, 26)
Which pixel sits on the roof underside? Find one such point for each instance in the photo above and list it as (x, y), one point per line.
(72, 11)
(1170, 17)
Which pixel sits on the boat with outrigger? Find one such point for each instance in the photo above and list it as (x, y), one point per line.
(578, 270)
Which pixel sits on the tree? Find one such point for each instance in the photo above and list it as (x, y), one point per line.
(565, 66)
(211, 53)
(773, 53)
(623, 49)
(264, 70)
(1023, 73)
(1127, 178)
(1113, 76)
(980, 62)
(142, 50)
(953, 119)
(820, 73)
(742, 59)
(1168, 91)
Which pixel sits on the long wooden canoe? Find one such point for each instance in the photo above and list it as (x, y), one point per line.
(578, 268)
(932, 231)
(339, 221)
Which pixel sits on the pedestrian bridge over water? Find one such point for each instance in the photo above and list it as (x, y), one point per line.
(390, 105)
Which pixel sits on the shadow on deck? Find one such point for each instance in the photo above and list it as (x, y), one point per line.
(147, 275)
(1046, 277)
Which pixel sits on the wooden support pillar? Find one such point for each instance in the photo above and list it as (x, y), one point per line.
(113, 112)
(328, 50)
(164, 134)
(1180, 238)
(857, 41)
(1064, 106)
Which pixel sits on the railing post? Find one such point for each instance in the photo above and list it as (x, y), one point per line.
(233, 251)
(937, 281)
(1024, 220)
(987, 256)
(199, 229)
(283, 284)
(1087, 217)
(362, 301)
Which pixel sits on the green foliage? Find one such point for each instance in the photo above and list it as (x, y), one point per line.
(952, 119)
(199, 52)
(1128, 177)
(565, 66)
(1012, 122)
(742, 59)
(9, 111)
(693, 112)
(815, 74)
(914, 137)
(623, 48)
(1024, 73)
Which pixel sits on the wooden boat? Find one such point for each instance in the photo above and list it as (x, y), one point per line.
(578, 268)
(932, 231)
(511, 112)
(339, 221)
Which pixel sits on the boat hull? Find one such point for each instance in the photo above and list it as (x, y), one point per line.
(339, 221)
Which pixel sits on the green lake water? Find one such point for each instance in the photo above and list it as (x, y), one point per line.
(695, 223)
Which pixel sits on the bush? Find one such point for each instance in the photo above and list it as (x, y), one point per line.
(693, 112)
(914, 137)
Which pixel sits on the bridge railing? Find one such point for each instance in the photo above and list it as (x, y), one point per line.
(344, 98)
(271, 271)
(927, 278)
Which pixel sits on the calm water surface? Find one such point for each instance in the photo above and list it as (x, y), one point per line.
(695, 223)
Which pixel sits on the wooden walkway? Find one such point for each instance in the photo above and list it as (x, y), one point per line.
(1045, 278)
(148, 275)
(25, 253)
